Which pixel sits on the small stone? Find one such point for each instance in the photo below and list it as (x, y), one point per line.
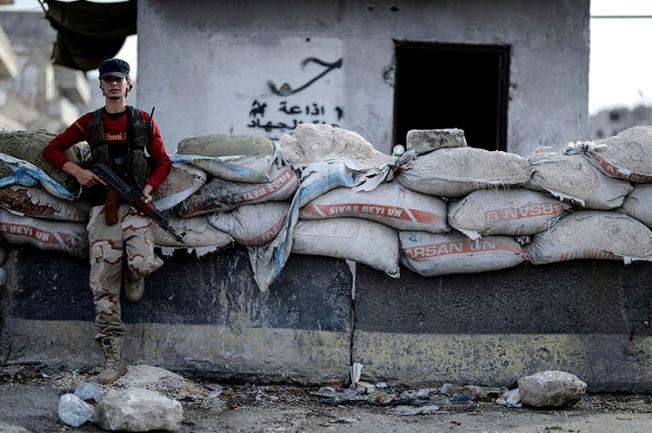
(426, 140)
(551, 389)
(138, 410)
(89, 391)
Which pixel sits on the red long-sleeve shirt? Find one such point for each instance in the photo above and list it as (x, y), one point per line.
(115, 132)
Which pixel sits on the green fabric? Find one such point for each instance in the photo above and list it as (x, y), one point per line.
(89, 32)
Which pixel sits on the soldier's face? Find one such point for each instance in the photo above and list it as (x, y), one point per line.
(114, 87)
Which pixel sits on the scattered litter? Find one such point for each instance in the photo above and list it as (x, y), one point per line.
(74, 411)
(411, 410)
(511, 398)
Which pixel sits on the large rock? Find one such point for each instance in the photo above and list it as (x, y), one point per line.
(138, 410)
(551, 389)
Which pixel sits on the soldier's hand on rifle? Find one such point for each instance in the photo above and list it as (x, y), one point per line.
(85, 177)
(147, 192)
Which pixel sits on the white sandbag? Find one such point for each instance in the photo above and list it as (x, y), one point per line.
(226, 145)
(455, 172)
(34, 202)
(309, 143)
(198, 234)
(440, 254)
(510, 212)
(638, 204)
(624, 156)
(220, 195)
(427, 140)
(572, 178)
(68, 237)
(183, 181)
(237, 168)
(252, 224)
(29, 145)
(390, 204)
(21, 172)
(592, 235)
(366, 242)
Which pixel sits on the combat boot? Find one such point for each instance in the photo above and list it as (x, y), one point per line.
(134, 290)
(115, 367)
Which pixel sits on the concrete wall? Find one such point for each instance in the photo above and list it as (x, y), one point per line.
(207, 64)
(206, 315)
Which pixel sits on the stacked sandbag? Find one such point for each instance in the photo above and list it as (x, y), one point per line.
(455, 172)
(390, 204)
(183, 181)
(197, 233)
(512, 212)
(426, 140)
(34, 202)
(220, 195)
(367, 242)
(440, 254)
(592, 235)
(638, 204)
(238, 158)
(28, 146)
(252, 224)
(623, 156)
(575, 179)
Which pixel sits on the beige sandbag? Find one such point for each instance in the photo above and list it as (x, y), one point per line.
(29, 145)
(440, 254)
(367, 242)
(226, 145)
(310, 142)
(427, 140)
(68, 237)
(198, 233)
(573, 178)
(455, 172)
(510, 212)
(183, 181)
(34, 202)
(592, 235)
(252, 224)
(220, 195)
(638, 204)
(624, 156)
(390, 204)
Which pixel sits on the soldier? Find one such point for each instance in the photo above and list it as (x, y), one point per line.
(118, 135)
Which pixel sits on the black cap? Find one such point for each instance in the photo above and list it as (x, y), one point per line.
(114, 68)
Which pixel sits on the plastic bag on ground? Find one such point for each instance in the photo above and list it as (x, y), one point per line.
(34, 202)
(572, 178)
(455, 172)
(624, 156)
(252, 224)
(511, 212)
(638, 204)
(430, 254)
(221, 195)
(74, 411)
(311, 143)
(183, 181)
(267, 261)
(67, 237)
(592, 235)
(390, 204)
(367, 242)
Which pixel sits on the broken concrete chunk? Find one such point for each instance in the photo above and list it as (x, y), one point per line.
(551, 389)
(138, 410)
(426, 140)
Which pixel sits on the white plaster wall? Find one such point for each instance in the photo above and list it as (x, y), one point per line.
(203, 63)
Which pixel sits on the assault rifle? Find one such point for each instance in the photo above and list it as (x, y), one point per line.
(135, 197)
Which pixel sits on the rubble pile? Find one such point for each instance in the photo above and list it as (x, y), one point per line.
(440, 208)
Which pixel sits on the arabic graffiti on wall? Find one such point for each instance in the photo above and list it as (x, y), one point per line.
(274, 116)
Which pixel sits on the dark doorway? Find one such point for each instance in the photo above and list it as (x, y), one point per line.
(452, 86)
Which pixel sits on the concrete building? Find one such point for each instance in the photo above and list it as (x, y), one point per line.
(610, 122)
(512, 74)
(39, 95)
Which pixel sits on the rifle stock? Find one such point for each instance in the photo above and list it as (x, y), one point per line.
(135, 197)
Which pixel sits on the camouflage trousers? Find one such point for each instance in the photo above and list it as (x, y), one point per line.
(129, 238)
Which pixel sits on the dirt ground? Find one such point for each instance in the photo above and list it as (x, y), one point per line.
(30, 400)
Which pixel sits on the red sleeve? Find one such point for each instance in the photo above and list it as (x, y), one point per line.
(75, 133)
(158, 155)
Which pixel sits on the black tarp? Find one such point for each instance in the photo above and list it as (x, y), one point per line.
(88, 32)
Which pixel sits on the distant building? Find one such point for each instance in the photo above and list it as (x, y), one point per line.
(38, 95)
(610, 122)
